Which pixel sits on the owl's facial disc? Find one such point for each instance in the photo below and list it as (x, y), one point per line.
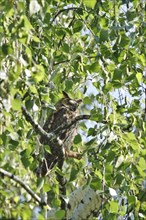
(74, 104)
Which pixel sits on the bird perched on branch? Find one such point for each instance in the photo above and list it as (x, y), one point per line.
(58, 123)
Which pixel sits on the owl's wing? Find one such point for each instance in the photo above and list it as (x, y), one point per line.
(56, 119)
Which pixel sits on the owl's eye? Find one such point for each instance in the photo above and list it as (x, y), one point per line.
(72, 105)
(72, 102)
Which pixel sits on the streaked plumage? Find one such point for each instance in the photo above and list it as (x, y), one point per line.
(66, 110)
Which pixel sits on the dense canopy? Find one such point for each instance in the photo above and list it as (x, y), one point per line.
(94, 51)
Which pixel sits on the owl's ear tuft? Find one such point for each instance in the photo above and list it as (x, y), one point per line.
(65, 95)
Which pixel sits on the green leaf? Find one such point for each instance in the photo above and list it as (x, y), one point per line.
(96, 115)
(103, 35)
(36, 39)
(111, 156)
(79, 11)
(99, 174)
(119, 161)
(124, 41)
(73, 174)
(33, 89)
(7, 49)
(139, 77)
(68, 85)
(78, 25)
(26, 161)
(108, 87)
(29, 104)
(60, 32)
(25, 152)
(117, 76)
(87, 100)
(142, 163)
(103, 22)
(95, 67)
(13, 144)
(117, 84)
(26, 213)
(114, 207)
(92, 132)
(39, 217)
(46, 188)
(60, 214)
(40, 184)
(131, 200)
(130, 15)
(131, 140)
(134, 106)
(65, 48)
(47, 149)
(27, 23)
(39, 73)
(141, 170)
(16, 104)
(90, 3)
(119, 179)
(77, 139)
(29, 53)
(96, 183)
(142, 59)
(16, 199)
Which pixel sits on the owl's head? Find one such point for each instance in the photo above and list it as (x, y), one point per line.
(70, 104)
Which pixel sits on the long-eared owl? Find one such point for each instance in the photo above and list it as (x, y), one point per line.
(66, 111)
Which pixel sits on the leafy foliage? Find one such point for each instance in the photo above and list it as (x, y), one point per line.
(94, 51)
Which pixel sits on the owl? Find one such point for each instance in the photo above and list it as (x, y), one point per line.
(66, 111)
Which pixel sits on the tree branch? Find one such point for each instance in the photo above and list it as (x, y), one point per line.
(49, 136)
(64, 9)
(75, 120)
(63, 61)
(38, 129)
(26, 187)
(70, 24)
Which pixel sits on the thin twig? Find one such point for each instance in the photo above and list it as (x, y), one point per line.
(70, 24)
(65, 9)
(63, 61)
(26, 187)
